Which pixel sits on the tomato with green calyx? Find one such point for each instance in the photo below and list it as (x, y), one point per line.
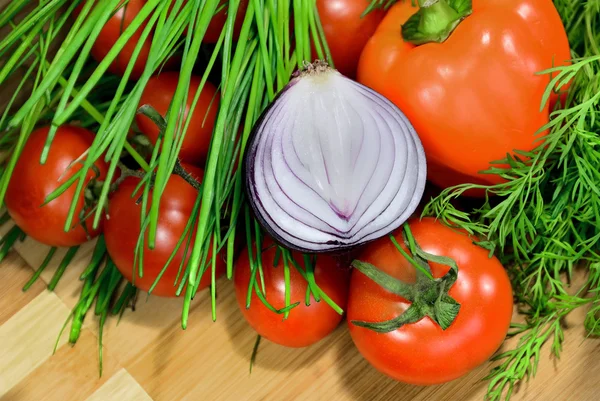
(31, 183)
(159, 93)
(122, 231)
(346, 31)
(427, 331)
(305, 324)
(467, 78)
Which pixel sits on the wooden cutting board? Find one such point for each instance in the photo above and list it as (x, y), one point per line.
(148, 357)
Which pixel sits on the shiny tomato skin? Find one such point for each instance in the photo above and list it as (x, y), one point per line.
(305, 325)
(346, 32)
(422, 353)
(475, 97)
(159, 93)
(220, 19)
(111, 32)
(31, 183)
(122, 230)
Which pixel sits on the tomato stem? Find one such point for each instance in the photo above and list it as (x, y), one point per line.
(428, 296)
(412, 315)
(435, 20)
(178, 169)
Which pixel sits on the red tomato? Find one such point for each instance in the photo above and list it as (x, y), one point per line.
(475, 97)
(346, 32)
(31, 183)
(422, 353)
(112, 32)
(215, 27)
(218, 22)
(122, 230)
(305, 325)
(160, 91)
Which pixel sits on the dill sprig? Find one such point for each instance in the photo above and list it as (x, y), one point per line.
(544, 221)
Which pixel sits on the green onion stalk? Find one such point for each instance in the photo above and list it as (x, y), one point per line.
(48, 50)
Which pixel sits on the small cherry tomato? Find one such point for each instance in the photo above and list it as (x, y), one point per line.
(159, 93)
(111, 32)
(122, 230)
(346, 31)
(218, 22)
(31, 183)
(305, 325)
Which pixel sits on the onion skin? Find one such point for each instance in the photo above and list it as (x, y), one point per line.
(331, 164)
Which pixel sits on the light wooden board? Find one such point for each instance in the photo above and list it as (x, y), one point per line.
(148, 356)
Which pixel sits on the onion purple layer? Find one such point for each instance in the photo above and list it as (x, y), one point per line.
(332, 164)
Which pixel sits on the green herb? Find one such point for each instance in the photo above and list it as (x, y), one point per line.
(40, 269)
(69, 88)
(62, 267)
(543, 221)
(7, 242)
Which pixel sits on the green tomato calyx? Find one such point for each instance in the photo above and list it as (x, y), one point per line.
(428, 296)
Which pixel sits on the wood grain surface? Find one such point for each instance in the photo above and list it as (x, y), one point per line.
(147, 356)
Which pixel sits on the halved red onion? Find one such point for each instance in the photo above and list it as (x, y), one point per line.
(332, 164)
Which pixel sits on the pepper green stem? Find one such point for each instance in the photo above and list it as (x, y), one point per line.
(435, 21)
